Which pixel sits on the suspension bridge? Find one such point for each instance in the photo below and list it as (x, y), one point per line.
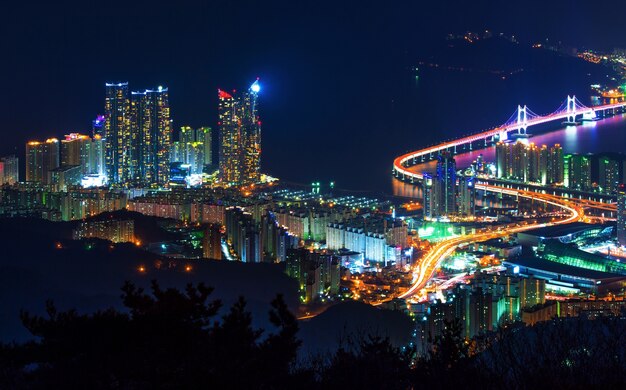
(570, 112)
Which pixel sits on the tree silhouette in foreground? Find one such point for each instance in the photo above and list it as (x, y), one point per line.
(168, 339)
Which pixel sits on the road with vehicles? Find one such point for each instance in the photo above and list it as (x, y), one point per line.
(426, 267)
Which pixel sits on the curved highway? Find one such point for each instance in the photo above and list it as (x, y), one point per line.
(431, 261)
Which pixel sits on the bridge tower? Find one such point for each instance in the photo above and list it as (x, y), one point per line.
(571, 108)
(522, 119)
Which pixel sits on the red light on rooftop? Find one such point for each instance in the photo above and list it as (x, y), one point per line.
(223, 94)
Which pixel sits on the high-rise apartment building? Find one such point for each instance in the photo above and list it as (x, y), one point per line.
(503, 160)
(467, 194)
(9, 170)
(519, 161)
(204, 136)
(577, 172)
(240, 137)
(212, 242)
(41, 158)
(446, 176)
(193, 148)
(555, 165)
(117, 132)
(621, 215)
(608, 175)
(150, 136)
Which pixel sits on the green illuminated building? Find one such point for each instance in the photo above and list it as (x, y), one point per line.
(569, 254)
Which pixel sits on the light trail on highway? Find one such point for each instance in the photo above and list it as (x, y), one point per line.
(431, 261)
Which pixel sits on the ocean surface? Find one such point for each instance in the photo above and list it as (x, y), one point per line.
(406, 110)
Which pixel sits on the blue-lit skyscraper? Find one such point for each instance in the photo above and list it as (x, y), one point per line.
(446, 176)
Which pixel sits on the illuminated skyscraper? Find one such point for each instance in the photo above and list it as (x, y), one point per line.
(577, 172)
(555, 165)
(240, 137)
(429, 201)
(76, 150)
(41, 158)
(9, 170)
(150, 136)
(117, 133)
(503, 160)
(467, 194)
(204, 136)
(446, 176)
(519, 161)
(621, 214)
(608, 175)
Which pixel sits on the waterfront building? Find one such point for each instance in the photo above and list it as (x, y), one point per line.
(9, 170)
(608, 175)
(621, 215)
(503, 160)
(41, 158)
(577, 172)
(537, 163)
(446, 176)
(555, 171)
(240, 137)
(117, 132)
(519, 161)
(467, 194)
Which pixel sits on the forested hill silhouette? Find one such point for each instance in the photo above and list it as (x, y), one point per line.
(169, 339)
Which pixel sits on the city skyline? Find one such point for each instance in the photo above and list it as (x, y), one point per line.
(324, 195)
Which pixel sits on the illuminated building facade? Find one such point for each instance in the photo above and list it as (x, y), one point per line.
(212, 242)
(97, 126)
(577, 172)
(445, 187)
(240, 137)
(41, 158)
(112, 230)
(467, 194)
(503, 160)
(204, 136)
(193, 148)
(9, 170)
(117, 132)
(608, 175)
(88, 153)
(621, 215)
(75, 151)
(317, 273)
(65, 176)
(555, 165)
(150, 136)
(519, 161)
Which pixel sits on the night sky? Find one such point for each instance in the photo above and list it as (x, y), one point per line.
(56, 56)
